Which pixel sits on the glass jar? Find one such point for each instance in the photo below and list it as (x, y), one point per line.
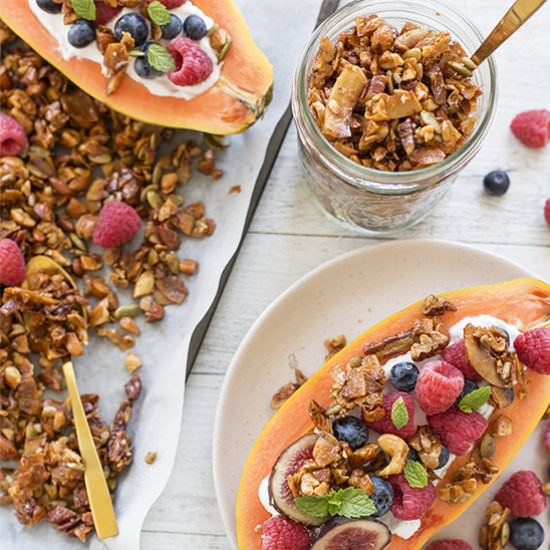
(369, 200)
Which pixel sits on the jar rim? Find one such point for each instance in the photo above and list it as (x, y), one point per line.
(338, 162)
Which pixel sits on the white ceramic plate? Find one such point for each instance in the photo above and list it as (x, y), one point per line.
(343, 296)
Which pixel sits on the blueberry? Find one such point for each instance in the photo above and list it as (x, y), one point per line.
(134, 24)
(469, 387)
(172, 29)
(526, 534)
(194, 27)
(81, 33)
(49, 6)
(496, 182)
(443, 457)
(352, 430)
(403, 376)
(382, 496)
(413, 455)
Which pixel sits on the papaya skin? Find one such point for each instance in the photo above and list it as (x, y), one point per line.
(246, 73)
(519, 301)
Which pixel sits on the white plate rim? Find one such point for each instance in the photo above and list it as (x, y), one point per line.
(217, 468)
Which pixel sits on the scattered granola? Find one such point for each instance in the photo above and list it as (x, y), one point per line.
(393, 100)
(285, 391)
(150, 458)
(495, 532)
(334, 345)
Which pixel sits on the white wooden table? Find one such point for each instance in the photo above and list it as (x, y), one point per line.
(289, 237)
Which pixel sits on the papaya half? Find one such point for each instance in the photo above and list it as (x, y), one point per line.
(231, 106)
(520, 302)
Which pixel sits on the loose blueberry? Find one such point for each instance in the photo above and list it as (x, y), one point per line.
(496, 183)
(81, 33)
(351, 430)
(443, 457)
(526, 534)
(403, 376)
(382, 496)
(172, 29)
(134, 24)
(194, 27)
(49, 6)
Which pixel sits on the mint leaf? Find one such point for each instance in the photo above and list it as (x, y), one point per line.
(415, 474)
(158, 13)
(399, 414)
(84, 9)
(349, 503)
(160, 58)
(475, 399)
(316, 507)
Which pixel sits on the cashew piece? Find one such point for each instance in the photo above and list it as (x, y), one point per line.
(398, 450)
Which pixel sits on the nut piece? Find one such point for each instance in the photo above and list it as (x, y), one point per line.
(334, 345)
(132, 362)
(434, 306)
(150, 457)
(398, 450)
(495, 532)
(502, 426)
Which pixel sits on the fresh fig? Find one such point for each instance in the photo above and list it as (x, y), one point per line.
(353, 534)
(288, 463)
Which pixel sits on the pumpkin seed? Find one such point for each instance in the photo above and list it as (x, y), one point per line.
(414, 53)
(459, 68)
(466, 61)
(487, 447)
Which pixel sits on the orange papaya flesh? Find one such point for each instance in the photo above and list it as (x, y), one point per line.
(229, 107)
(520, 301)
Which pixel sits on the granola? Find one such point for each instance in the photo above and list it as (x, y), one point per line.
(393, 100)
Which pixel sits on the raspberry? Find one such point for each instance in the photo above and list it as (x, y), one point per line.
(546, 437)
(523, 494)
(449, 544)
(12, 263)
(533, 349)
(192, 64)
(170, 4)
(105, 13)
(13, 140)
(456, 355)
(458, 430)
(280, 533)
(532, 128)
(117, 224)
(410, 503)
(385, 426)
(438, 386)
(547, 211)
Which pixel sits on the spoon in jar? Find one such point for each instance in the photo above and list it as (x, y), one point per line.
(514, 18)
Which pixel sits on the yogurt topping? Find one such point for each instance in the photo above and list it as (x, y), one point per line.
(406, 529)
(160, 86)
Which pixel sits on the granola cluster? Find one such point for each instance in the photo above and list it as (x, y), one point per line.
(393, 100)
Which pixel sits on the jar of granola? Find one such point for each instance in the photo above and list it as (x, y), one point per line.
(389, 109)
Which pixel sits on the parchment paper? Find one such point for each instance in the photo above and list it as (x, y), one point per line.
(281, 28)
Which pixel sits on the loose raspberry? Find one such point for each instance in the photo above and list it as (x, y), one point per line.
(170, 4)
(532, 128)
(449, 544)
(546, 437)
(458, 430)
(523, 494)
(280, 533)
(410, 503)
(117, 224)
(438, 386)
(386, 426)
(456, 355)
(547, 211)
(13, 140)
(105, 13)
(12, 263)
(193, 66)
(533, 349)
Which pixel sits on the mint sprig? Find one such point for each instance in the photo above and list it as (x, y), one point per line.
(84, 9)
(158, 13)
(475, 399)
(348, 503)
(399, 414)
(415, 474)
(160, 58)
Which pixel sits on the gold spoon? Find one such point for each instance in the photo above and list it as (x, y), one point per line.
(99, 497)
(515, 17)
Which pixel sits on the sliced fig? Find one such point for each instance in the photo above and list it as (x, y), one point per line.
(481, 359)
(288, 463)
(354, 534)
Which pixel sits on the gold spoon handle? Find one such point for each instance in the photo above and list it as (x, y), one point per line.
(94, 478)
(515, 17)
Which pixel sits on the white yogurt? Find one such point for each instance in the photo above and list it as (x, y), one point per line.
(401, 528)
(160, 86)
